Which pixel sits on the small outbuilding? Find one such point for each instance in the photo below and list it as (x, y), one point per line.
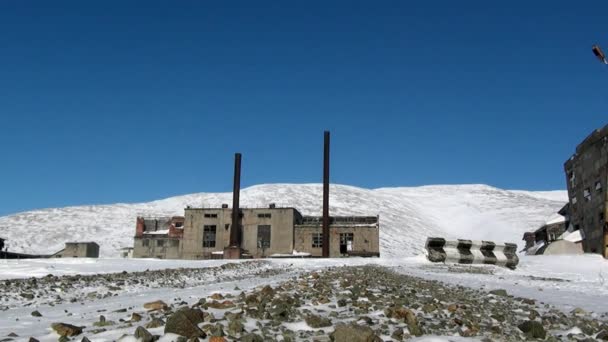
(78, 250)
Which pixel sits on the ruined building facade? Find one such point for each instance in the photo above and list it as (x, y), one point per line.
(586, 177)
(204, 233)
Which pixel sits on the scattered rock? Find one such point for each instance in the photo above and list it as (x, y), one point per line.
(36, 313)
(533, 329)
(143, 335)
(64, 329)
(185, 322)
(156, 305)
(353, 333)
(499, 292)
(315, 321)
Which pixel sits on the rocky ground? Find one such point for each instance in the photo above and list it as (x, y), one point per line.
(349, 304)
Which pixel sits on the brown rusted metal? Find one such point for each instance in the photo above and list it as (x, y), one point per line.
(235, 233)
(325, 249)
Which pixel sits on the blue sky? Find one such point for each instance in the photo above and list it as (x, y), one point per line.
(124, 101)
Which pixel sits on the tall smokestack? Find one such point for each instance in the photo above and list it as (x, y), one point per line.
(235, 234)
(326, 195)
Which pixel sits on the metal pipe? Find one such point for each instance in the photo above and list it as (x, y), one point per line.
(235, 229)
(326, 195)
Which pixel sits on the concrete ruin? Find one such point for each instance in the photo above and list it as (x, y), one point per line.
(265, 232)
(586, 176)
(78, 250)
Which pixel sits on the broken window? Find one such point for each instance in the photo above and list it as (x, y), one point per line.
(209, 236)
(160, 243)
(573, 200)
(598, 186)
(179, 224)
(317, 240)
(572, 178)
(264, 215)
(264, 236)
(601, 216)
(587, 194)
(211, 215)
(145, 242)
(346, 242)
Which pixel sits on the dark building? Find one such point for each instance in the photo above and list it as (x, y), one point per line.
(586, 177)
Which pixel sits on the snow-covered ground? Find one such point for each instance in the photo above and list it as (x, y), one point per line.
(407, 215)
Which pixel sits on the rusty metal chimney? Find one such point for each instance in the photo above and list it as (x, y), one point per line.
(235, 234)
(326, 195)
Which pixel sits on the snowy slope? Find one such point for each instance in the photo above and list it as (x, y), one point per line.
(407, 215)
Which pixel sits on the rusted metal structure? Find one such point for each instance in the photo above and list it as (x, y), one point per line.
(233, 251)
(326, 195)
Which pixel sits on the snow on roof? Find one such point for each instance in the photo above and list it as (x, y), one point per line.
(555, 218)
(158, 232)
(574, 236)
(217, 253)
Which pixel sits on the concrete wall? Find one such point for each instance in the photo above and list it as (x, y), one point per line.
(79, 250)
(281, 222)
(366, 240)
(585, 169)
(161, 247)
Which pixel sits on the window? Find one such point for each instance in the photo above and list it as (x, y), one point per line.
(598, 187)
(572, 178)
(179, 224)
(160, 243)
(573, 200)
(145, 242)
(264, 236)
(174, 243)
(264, 215)
(601, 216)
(346, 242)
(317, 240)
(209, 236)
(227, 226)
(210, 215)
(587, 194)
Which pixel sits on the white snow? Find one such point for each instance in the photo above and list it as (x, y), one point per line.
(574, 236)
(407, 215)
(158, 232)
(555, 218)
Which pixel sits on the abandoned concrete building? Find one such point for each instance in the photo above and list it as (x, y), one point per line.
(265, 232)
(158, 237)
(78, 250)
(234, 233)
(586, 177)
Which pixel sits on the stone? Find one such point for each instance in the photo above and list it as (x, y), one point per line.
(353, 333)
(603, 335)
(156, 305)
(143, 335)
(315, 321)
(85, 339)
(64, 329)
(217, 339)
(251, 338)
(27, 295)
(155, 323)
(135, 317)
(32, 340)
(185, 322)
(499, 292)
(216, 296)
(235, 327)
(533, 329)
(36, 313)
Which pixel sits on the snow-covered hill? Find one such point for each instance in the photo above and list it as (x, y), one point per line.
(407, 215)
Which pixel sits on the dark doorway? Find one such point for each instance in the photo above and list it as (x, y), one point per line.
(346, 242)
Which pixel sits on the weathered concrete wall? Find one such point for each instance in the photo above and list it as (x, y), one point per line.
(281, 222)
(585, 171)
(366, 240)
(161, 247)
